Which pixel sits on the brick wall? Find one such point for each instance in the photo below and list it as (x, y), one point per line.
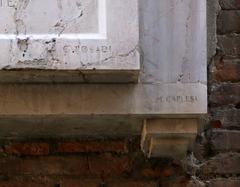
(221, 163)
(72, 162)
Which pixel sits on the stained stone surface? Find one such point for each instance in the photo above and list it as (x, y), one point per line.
(174, 40)
(86, 36)
(172, 80)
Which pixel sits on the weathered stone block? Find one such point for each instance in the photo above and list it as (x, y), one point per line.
(173, 37)
(89, 99)
(168, 137)
(69, 41)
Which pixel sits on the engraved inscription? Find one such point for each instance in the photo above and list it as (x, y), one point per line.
(70, 35)
(88, 50)
(95, 49)
(7, 3)
(178, 99)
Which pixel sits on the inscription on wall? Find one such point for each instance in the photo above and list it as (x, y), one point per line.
(7, 3)
(71, 35)
(178, 99)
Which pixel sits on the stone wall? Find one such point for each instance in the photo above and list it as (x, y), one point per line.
(52, 161)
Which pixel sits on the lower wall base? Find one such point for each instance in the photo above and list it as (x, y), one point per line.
(106, 163)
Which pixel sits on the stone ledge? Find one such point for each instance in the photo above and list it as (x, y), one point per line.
(168, 137)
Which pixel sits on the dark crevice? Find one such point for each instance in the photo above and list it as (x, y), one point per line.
(237, 106)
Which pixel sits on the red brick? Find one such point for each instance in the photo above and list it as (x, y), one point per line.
(27, 149)
(216, 124)
(98, 147)
(157, 171)
(56, 181)
(52, 165)
(109, 165)
(94, 165)
(23, 184)
(151, 173)
(133, 184)
(176, 182)
(80, 183)
(226, 70)
(168, 172)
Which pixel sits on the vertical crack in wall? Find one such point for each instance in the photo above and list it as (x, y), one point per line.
(20, 6)
(63, 24)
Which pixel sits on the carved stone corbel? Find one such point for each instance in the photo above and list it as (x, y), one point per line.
(168, 137)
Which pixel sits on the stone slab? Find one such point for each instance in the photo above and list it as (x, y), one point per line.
(173, 38)
(113, 99)
(168, 137)
(82, 36)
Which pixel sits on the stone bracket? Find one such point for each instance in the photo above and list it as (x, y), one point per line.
(168, 137)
